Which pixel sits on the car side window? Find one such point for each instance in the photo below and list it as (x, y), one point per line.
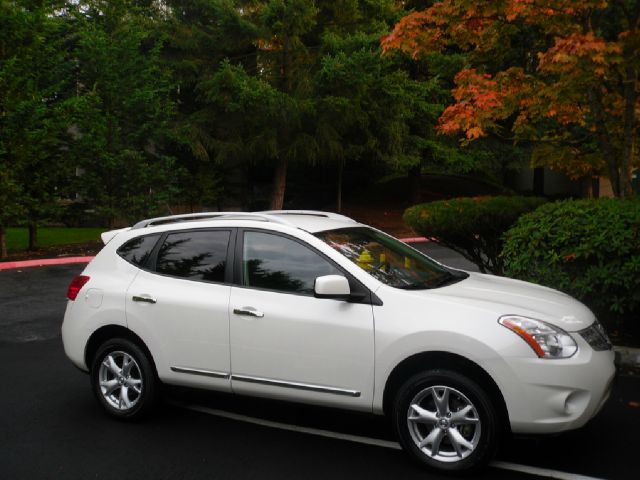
(138, 250)
(278, 263)
(195, 255)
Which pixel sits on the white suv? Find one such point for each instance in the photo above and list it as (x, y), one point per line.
(316, 308)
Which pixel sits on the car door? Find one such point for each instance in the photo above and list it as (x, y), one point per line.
(179, 305)
(285, 343)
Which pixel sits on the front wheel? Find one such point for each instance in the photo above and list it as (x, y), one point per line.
(123, 379)
(446, 421)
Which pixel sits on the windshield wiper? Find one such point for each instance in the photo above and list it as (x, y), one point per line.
(446, 279)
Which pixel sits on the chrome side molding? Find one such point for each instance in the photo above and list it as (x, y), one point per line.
(296, 385)
(267, 381)
(201, 372)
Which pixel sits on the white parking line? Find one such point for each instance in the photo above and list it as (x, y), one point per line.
(543, 472)
(291, 428)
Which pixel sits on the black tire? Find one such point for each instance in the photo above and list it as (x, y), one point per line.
(452, 454)
(137, 377)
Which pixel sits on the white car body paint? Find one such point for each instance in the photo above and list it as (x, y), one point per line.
(336, 345)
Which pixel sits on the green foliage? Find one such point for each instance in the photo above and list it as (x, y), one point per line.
(123, 114)
(587, 248)
(290, 19)
(368, 107)
(379, 110)
(35, 74)
(244, 112)
(305, 82)
(473, 227)
(125, 107)
(10, 207)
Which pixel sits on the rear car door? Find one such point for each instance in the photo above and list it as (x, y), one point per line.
(179, 304)
(286, 343)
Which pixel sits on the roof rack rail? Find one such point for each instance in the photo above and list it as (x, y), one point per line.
(316, 213)
(150, 222)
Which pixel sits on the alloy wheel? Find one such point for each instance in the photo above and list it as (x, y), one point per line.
(120, 378)
(443, 423)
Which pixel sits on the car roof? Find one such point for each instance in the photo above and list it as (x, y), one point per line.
(311, 221)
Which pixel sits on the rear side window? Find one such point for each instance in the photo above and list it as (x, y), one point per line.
(199, 255)
(137, 250)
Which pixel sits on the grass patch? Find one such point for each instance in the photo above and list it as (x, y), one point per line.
(18, 238)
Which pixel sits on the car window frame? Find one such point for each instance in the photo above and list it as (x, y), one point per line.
(151, 263)
(356, 286)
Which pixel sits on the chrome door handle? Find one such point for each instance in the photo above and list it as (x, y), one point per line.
(248, 311)
(143, 298)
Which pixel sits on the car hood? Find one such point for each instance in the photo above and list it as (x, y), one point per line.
(506, 296)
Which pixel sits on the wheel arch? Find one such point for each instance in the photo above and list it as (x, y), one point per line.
(108, 332)
(449, 361)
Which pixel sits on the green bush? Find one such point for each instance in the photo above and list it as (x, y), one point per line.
(587, 248)
(471, 226)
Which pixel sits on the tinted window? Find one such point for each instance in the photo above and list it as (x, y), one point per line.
(137, 251)
(277, 263)
(195, 255)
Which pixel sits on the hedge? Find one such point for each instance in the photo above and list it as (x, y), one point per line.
(587, 248)
(472, 226)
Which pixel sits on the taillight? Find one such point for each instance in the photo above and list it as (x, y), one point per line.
(76, 285)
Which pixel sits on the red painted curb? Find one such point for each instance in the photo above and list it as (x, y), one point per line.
(414, 239)
(43, 261)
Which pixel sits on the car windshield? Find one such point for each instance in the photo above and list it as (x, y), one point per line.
(389, 260)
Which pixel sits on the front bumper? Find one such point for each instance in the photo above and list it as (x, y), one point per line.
(551, 396)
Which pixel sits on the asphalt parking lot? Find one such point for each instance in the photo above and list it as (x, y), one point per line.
(52, 427)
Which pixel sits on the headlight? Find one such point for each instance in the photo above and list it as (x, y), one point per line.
(596, 336)
(547, 341)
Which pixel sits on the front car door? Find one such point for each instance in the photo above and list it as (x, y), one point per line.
(285, 343)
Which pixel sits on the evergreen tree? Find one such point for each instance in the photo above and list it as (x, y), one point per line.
(34, 81)
(124, 111)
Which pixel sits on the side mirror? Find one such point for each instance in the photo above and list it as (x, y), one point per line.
(332, 286)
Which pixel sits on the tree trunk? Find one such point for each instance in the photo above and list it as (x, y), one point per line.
(538, 181)
(604, 140)
(629, 141)
(280, 176)
(33, 236)
(595, 187)
(415, 194)
(3, 242)
(585, 187)
(589, 187)
(279, 184)
(339, 193)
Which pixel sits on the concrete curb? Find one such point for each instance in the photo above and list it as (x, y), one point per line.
(628, 356)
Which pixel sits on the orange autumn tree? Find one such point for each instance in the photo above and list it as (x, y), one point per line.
(561, 73)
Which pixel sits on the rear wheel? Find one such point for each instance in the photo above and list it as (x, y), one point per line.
(123, 379)
(446, 421)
